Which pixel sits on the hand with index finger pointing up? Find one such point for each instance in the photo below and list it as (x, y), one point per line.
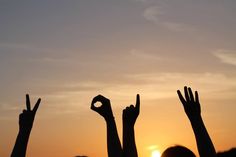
(130, 114)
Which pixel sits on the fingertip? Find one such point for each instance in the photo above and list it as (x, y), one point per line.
(196, 95)
(185, 89)
(27, 97)
(189, 89)
(28, 107)
(138, 97)
(39, 100)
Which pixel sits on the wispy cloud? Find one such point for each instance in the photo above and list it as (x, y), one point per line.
(151, 86)
(144, 55)
(155, 15)
(77, 95)
(226, 56)
(32, 53)
(22, 47)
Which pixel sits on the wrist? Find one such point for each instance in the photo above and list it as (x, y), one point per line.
(25, 130)
(128, 126)
(196, 121)
(109, 119)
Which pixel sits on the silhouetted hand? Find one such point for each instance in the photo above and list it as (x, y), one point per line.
(26, 118)
(191, 106)
(193, 110)
(105, 109)
(130, 114)
(114, 148)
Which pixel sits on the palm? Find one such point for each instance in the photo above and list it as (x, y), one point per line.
(191, 105)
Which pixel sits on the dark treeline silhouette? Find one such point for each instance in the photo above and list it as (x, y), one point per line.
(192, 108)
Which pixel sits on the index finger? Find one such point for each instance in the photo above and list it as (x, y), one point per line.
(181, 98)
(36, 106)
(137, 106)
(28, 102)
(96, 99)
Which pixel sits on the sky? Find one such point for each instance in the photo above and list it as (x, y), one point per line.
(67, 52)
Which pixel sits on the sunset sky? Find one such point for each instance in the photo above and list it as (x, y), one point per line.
(68, 51)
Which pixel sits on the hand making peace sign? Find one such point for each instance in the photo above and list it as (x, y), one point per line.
(26, 118)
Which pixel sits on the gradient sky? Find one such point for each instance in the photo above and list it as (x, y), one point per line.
(67, 52)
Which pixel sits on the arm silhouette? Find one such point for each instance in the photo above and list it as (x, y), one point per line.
(192, 109)
(26, 120)
(130, 114)
(113, 143)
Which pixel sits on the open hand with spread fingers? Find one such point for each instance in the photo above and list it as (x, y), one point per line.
(193, 110)
(105, 109)
(191, 105)
(130, 114)
(26, 118)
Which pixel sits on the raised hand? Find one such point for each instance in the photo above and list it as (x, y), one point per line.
(191, 105)
(130, 114)
(105, 109)
(26, 118)
(193, 110)
(114, 148)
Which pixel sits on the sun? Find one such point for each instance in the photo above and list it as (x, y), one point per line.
(156, 153)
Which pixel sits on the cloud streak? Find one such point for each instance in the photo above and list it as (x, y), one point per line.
(150, 86)
(155, 15)
(144, 55)
(226, 56)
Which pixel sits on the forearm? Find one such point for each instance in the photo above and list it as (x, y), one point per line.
(20, 147)
(113, 143)
(204, 143)
(129, 146)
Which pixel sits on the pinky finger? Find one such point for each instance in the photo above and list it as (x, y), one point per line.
(196, 97)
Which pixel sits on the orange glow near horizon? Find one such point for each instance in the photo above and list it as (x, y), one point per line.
(156, 153)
